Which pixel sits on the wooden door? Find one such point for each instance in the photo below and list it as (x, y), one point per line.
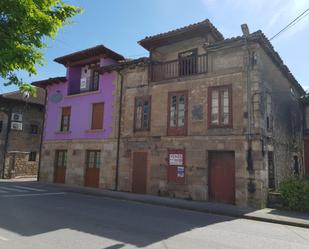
(139, 176)
(92, 177)
(92, 174)
(221, 176)
(60, 166)
(60, 175)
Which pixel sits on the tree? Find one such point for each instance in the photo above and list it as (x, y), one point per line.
(24, 27)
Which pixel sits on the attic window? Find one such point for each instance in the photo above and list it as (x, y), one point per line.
(292, 92)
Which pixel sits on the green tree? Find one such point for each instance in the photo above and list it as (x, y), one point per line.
(24, 27)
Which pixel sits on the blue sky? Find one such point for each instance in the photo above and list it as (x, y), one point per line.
(119, 24)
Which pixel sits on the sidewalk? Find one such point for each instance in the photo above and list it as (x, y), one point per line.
(266, 215)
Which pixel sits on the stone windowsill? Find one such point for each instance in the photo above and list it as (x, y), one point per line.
(94, 131)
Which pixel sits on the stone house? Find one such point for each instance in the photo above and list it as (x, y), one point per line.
(208, 118)
(202, 118)
(79, 136)
(21, 123)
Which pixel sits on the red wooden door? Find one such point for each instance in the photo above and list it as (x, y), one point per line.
(92, 177)
(59, 176)
(139, 176)
(221, 177)
(306, 152)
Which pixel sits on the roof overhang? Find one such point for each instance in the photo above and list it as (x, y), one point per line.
(46, 82)
(200, 29)
(94, 52)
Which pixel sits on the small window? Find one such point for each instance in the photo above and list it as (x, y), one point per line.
(97, 116)
(142, 113)
(269, 118)
(1, 126)
(65, 119)
(93, 159)
(220, 106)
(61, 158)
(32, 156)
(307, 117)
(34, 129)
(177, 113)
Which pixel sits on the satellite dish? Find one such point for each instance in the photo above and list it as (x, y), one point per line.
(26, 95)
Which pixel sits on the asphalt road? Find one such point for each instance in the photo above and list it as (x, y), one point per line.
(36, 217)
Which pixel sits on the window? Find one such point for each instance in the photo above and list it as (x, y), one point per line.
(142, 113)
(97, 116)
(32, 156)
(65, 119)
(220, 106)
(187, 62)
(177, 114)
(296, 166)
(94, 85)
(307, 117)
(34, 129)
(271, 171)
(93, 159)
(269, 119)
(61, 158)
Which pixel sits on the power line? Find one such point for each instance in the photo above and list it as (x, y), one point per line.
(295, 21)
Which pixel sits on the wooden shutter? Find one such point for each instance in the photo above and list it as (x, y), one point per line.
(66, 111)
(97, 116)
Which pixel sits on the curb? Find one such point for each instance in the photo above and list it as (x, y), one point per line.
(174, 203)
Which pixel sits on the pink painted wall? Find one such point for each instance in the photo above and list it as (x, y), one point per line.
(81, 111)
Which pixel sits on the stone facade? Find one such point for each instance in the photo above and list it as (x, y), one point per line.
(76, 164)
(16, 145)
(264, 132)
(255, 130)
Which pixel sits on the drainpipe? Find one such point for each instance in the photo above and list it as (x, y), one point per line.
(246, 33)
(119, 132)
(6, 144)
(42, 134)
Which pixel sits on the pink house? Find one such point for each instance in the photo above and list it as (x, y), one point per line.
(80, 115)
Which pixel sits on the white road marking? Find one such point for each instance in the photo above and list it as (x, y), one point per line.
(29, 195)
(3, 238)
(14, 189)
(28, 188)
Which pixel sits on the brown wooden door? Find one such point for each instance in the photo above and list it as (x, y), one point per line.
(60, 166)
(92, 177)
(60, 174)
(221, 177)
(139, 177)
(92, 174)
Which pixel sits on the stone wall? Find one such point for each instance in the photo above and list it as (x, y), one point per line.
(18, 165)
(76, 160)
(285, 138)
(21, 142)
(226, 67)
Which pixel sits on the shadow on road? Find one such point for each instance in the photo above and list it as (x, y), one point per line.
(125, 222)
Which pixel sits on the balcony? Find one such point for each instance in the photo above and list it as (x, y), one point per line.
(84, 85)
(174, 69)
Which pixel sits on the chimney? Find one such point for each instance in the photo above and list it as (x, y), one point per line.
(245, 29)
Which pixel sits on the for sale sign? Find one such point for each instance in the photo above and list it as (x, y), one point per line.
(176, 159)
